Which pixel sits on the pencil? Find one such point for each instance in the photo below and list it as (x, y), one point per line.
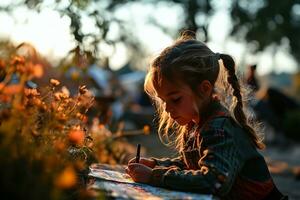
(138, 151)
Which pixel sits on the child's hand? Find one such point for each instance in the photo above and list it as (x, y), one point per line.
(139, 172)
(145, 161)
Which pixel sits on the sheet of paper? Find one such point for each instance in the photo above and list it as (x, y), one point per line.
(110, 175)
(139, 191)
(116, 183)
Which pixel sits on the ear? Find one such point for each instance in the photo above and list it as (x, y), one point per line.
(205, 88)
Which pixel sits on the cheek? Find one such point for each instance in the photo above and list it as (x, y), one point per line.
(190, 108)
(196, 108)
(195, 114)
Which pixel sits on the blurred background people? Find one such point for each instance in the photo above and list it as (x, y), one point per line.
(273, 107)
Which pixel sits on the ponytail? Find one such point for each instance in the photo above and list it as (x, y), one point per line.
(238, 111)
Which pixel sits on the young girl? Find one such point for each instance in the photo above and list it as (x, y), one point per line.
(198, 97)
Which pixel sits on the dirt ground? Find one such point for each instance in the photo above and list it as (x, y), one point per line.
(282, 160)
(283, 163)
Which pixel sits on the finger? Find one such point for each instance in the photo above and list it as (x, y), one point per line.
(135, 166)
(132, 160)
(131, 166)
(127, 170)
(132, 174)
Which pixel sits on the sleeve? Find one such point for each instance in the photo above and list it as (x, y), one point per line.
(219, 165)
(168, 162)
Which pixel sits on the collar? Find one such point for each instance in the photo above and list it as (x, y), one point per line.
(214, 109)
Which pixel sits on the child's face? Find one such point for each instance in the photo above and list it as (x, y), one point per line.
(180, 102)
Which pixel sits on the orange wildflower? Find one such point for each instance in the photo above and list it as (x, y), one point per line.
(57, 96)
(146, 130)
(101, 126)
(54, 82)
(60, 109)
(61, 117)
(2, 64)
(31, 92)
(59, 146)
(2, 86)
(18, 60)
(84, 118)
(37, 102)
(12, 89)
(37, 70)
(67, 179)
(78, 115)
(65, 91)
(64, 95)
(76, 137)
(82, 89)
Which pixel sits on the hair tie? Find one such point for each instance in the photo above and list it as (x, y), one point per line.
(217, 56)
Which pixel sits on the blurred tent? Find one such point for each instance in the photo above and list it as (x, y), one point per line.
(113, 90)
(106, 80)
(127, 68)
(102, 79)
(139, 110)
(132, 83)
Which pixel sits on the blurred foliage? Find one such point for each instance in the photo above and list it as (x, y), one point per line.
(263, 23)
(46, 143)
(267, 23)
(196, 16)
(100, 14)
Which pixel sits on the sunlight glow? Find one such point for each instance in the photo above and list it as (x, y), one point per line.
(50, 34)
(47, 31)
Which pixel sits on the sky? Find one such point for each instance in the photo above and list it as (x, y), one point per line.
(50, 34)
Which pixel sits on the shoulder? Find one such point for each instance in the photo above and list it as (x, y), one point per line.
(224, 124)
(224, 127)
(216, 131)
(217, 122)
(226, 131)
(217, 125)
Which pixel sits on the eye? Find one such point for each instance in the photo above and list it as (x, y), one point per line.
(176, 100)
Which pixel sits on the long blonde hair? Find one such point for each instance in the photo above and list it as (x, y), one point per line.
(191, 61)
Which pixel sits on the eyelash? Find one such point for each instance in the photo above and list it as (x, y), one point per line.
(176, 100)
